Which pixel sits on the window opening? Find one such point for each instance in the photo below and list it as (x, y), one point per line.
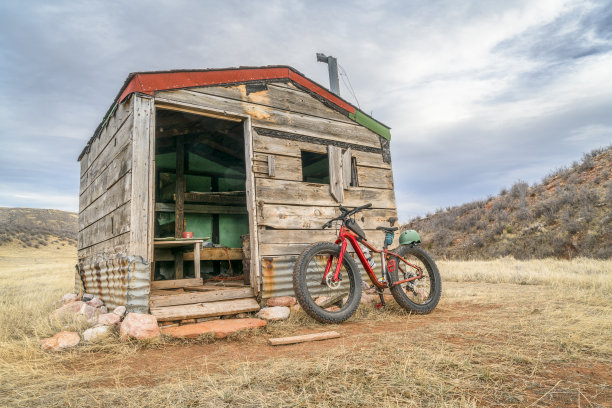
(315, 167)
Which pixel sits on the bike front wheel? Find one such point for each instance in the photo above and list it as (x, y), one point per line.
(421, 295)
(321, 297)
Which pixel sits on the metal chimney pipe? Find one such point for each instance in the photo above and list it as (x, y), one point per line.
(332, 66)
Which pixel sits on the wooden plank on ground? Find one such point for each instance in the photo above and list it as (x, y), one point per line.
(200, 297)
(194, 311)
(278, 341)
(176, 283)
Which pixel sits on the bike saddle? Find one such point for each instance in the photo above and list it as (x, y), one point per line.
(388, 229)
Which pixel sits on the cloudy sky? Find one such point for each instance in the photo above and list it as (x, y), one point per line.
(478, 94)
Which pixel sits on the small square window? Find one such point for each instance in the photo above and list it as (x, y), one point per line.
(315, 167)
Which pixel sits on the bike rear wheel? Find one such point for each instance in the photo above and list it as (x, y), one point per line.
(321, 298)
(422, 295)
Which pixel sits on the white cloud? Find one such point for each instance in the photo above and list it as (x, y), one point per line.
(478, 94)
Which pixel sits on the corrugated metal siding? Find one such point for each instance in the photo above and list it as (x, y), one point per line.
(277, 274)
(118, 282)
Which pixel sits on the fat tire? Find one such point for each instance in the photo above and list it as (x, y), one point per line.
(301, 290)
(434, 275)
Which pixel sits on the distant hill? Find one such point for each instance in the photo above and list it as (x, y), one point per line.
(568, 214)
(32, 227)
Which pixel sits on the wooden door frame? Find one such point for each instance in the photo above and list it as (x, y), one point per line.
(162, 103)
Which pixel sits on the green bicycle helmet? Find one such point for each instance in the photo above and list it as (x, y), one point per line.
(409, 237)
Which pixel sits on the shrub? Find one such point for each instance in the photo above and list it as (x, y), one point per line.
(519, 189)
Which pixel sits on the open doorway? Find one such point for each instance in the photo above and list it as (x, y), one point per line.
(200, 190)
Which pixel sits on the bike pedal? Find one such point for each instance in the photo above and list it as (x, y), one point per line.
(379, 306)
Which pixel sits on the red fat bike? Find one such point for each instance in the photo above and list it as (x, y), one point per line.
(327, 282)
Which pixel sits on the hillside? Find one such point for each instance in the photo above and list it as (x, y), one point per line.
(33, 227)
(568, 214)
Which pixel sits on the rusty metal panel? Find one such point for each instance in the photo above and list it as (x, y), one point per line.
(277, 275)
(118, 282)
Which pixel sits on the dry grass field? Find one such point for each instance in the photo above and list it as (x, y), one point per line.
(506, 333)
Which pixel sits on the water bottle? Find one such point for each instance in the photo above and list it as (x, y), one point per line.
(368, 255)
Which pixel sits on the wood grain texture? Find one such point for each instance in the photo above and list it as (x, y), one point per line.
(283, 147)
(274, 118)
(140, 240)
(179, 215)
(111, 225)
(199, 297)
(273, 191)
(115, 170)
(112, 149)
(100, 143)
(194, 311)
(375, 178)
(271, 166)
(116, 196)
(313, 217)
(285, 167)
(251, 193)
(336, 185)
(177, 283)
(201, 209)
(114, 247)
(345, 166)
(206, 254)
(278, 96)
(278, 341)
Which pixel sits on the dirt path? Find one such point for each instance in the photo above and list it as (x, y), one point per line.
(213, 357)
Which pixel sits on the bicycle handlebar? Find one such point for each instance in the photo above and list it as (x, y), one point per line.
(346, 213)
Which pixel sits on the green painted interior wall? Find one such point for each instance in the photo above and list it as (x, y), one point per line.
(166, 160)
(200, 184)
(231, 227)
(200, 224)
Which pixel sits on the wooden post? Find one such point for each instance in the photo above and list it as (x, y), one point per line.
(196, 259)
(246, 258)
(179, 212)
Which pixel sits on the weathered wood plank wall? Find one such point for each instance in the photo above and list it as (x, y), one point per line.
(115, 175)
(285, 121)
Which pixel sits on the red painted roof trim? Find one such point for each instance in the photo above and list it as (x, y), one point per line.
(148, 83)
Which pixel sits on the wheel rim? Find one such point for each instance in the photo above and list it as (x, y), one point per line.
(322, 292)
(419, 291)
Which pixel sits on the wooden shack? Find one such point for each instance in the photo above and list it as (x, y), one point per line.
(252, 161)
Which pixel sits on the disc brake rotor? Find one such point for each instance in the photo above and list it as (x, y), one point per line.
(329, 281)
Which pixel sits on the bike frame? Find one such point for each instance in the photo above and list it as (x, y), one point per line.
(345, 236)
